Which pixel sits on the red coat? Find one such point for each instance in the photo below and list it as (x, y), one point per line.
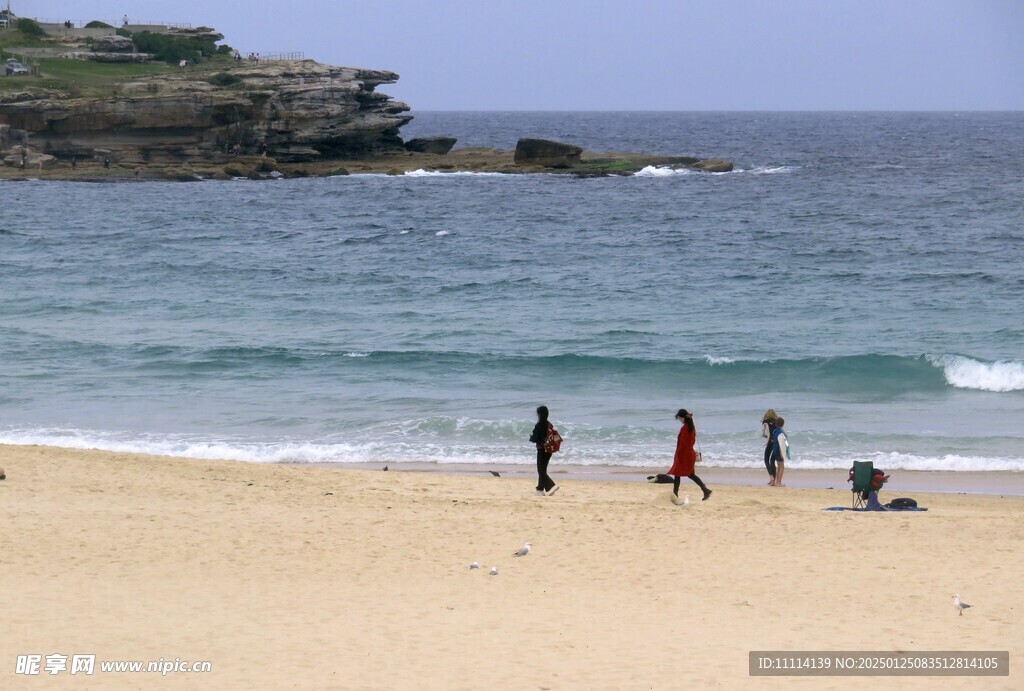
(685, 456)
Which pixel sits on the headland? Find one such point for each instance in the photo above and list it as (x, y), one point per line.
(95, 103)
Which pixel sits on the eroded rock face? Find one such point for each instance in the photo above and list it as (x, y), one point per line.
(112, 44)
(543, 152)
(299, 110)
(431, 145)
(107, 57)
(713, 165)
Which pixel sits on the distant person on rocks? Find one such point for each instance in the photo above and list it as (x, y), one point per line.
(767, 428)
(686, 457)
(138, 172)
(781, 450)
(545, 485)
(74, 161)
(106, 161)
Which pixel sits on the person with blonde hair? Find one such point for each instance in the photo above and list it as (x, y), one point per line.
(767, 428)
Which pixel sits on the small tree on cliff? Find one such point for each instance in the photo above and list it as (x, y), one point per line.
(172, 49)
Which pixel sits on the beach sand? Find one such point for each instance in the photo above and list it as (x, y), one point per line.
(315, 578)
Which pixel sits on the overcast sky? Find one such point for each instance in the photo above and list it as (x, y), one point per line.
(633, 54)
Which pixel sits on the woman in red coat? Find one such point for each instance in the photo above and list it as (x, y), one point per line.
(685, 456)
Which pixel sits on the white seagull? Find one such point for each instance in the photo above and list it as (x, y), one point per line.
(494, 571)
(522, 551)
(960, 606)
(474, 565)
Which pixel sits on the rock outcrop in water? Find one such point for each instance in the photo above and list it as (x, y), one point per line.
(543, 152)
(298, 111)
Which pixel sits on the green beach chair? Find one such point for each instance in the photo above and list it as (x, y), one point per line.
(862, 472)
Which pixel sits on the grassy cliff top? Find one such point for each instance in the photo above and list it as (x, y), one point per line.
(79, 78)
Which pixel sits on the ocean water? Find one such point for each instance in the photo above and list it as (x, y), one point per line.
(861, 273)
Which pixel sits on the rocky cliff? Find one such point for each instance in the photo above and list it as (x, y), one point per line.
(296, 111)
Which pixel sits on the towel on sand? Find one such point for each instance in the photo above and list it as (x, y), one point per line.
(881, 508)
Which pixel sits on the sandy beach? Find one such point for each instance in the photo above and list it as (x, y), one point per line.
(316, 578)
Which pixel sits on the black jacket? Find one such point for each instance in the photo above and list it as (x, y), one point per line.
(540, 432)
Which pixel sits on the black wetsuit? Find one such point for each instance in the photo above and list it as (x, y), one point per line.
(769, 450)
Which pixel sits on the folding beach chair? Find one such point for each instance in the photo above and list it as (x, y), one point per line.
(862, 472)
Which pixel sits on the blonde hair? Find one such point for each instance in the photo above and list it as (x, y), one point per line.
(769, 415)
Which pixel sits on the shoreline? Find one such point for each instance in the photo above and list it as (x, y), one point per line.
(394, 163)
(995, 482)
(992, 482)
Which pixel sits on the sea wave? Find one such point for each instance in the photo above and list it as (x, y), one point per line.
(421, 173)
(771, 170)
(662, 172)
(875, 374)
(965, 373)
(501, 442)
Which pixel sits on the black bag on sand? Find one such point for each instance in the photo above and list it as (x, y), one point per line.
(902, 503)
(661, 479)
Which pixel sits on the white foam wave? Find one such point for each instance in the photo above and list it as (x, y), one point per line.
(906, 461)
(965, 373)
(391, 448)
(771, 170)
(441, 233)
(421, 173)
(712, 360)
(661, 172)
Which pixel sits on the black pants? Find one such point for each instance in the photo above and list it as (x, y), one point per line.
(544, 481)
(692, 476)
(769, 459)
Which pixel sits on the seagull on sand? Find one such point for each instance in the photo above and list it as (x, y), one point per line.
(522, 551)
(474, 565)
(495, 473)
(494, 571)
(960, 606)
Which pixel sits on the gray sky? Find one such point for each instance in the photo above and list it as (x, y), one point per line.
(633, 54)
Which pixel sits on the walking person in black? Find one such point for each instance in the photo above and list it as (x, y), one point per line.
(545, 485)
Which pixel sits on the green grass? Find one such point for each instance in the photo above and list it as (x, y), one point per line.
(13, 37)
(81, 78)
(84, 73)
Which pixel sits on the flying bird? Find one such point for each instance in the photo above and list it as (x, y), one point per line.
(522, 551)
(960, 606)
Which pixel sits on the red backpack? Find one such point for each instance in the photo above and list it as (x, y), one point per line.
(552, 442)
